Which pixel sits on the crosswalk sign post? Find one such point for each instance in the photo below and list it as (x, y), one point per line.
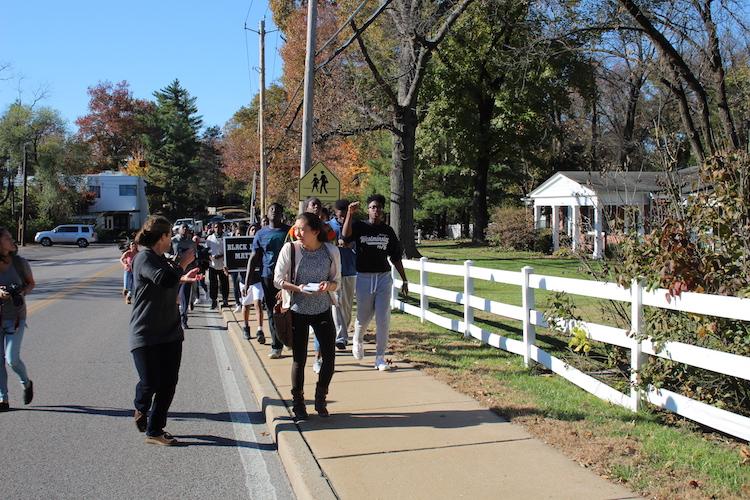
(321, 183)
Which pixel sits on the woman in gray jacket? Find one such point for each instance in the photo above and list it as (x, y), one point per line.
(156, 333)
(310, 292)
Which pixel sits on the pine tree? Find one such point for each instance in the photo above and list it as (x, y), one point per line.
(174, 146)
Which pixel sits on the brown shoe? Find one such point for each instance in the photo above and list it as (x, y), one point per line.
(165, 439)
(140, 420)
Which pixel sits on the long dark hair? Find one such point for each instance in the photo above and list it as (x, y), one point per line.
(153, 229)
(314, 222)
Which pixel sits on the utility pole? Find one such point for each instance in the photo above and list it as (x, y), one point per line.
(24, 213)
(307, 114)
(261, 111)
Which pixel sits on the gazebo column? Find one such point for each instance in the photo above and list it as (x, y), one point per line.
(575, 226)
(598, 234)
(555, 228)
(537, 216)
(641, 223)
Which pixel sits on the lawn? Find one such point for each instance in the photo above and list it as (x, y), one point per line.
(654, 453)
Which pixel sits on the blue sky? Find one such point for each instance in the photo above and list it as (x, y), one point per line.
(65, 47)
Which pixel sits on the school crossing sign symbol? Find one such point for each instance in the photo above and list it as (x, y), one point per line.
(320, 182)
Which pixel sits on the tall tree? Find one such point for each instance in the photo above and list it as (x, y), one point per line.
(114, 125)
(172, 150)
(417, 28)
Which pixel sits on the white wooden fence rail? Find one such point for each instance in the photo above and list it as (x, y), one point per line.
(713, 305)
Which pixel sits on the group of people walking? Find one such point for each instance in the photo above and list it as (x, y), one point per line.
(315, 267)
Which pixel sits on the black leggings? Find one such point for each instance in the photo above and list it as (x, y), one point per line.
(158, 368)
(325, 332)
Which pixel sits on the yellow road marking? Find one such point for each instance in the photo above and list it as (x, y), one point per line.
(37, 306)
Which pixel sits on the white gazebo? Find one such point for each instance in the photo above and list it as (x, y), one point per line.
(566, 197)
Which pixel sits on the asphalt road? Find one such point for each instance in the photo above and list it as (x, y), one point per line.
(77, 439)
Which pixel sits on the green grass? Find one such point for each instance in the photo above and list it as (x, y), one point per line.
(670, 451)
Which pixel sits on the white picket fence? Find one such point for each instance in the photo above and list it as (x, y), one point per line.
(712, 305)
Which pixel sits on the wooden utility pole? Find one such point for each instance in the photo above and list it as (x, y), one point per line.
(24, 205)
(261, 111)
(307, 113)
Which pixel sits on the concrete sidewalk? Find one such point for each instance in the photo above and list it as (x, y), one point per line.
(402, 434)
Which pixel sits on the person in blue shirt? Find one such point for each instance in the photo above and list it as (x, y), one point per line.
(266, 247)
(342, 313)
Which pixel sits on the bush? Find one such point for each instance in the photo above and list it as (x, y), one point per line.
(513, 229)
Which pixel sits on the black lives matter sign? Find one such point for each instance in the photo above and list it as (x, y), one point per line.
(237, 250)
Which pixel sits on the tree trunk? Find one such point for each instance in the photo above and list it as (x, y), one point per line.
(635, 82)
(485, 108)
(402, 178)
(717, 68)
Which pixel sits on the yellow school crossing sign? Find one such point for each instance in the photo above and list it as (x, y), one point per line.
(320, 183)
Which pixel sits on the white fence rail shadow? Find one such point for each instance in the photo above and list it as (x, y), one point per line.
(713, 305)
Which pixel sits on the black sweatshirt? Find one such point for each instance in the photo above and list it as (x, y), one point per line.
(155, 318)
(375, 243)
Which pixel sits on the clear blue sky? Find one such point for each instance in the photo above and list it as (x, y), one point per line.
(66, 47)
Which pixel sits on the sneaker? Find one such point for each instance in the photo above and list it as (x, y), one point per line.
(185, 325)
(246, 333)
(381, 364)
(358, 350)
(214, 304)
(4, 406)
(275, 354)
(28, 393)
(261, 337)
(196, 301)
(341, 345)
(317, 365)
(238, 308)
(225, 304)
(165, 439)
(140, 420)
(128, 299)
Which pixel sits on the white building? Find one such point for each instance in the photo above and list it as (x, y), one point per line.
(569, 200)
(120, 200)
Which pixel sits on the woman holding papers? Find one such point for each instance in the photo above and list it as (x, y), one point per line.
(308, 272)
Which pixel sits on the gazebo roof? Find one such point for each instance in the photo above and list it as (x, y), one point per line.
(613, 184)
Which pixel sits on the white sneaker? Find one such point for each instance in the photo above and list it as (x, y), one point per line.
(381, 364)
(358, 350)
(238, 308)
(275, 354)
(317, 365)
(196, 302)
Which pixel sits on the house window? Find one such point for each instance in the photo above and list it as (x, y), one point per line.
(97, 190)
(127, 190)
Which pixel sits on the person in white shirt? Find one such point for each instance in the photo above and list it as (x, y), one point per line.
(217, 273)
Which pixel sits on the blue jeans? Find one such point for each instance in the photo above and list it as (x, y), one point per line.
(127, 280)
(11, 354)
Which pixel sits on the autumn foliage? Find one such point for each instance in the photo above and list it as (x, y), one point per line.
(114, 125)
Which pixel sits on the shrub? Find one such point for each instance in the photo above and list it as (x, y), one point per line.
(511, 229)
(700, 246)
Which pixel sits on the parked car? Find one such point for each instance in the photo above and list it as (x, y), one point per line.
(77, 234)
(194, 225)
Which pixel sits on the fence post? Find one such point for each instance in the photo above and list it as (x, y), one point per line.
(423, 304)
(527, 302)
(394, 290)
(468, 291)
(637, 358)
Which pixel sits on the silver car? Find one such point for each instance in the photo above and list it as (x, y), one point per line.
(77, 234)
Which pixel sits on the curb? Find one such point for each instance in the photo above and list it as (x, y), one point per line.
(305, 475)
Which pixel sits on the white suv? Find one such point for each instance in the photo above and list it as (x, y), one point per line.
(69, 233)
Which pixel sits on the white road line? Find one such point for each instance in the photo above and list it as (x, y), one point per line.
(257, 478)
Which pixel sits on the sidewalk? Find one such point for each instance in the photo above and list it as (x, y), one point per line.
(402, 434)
